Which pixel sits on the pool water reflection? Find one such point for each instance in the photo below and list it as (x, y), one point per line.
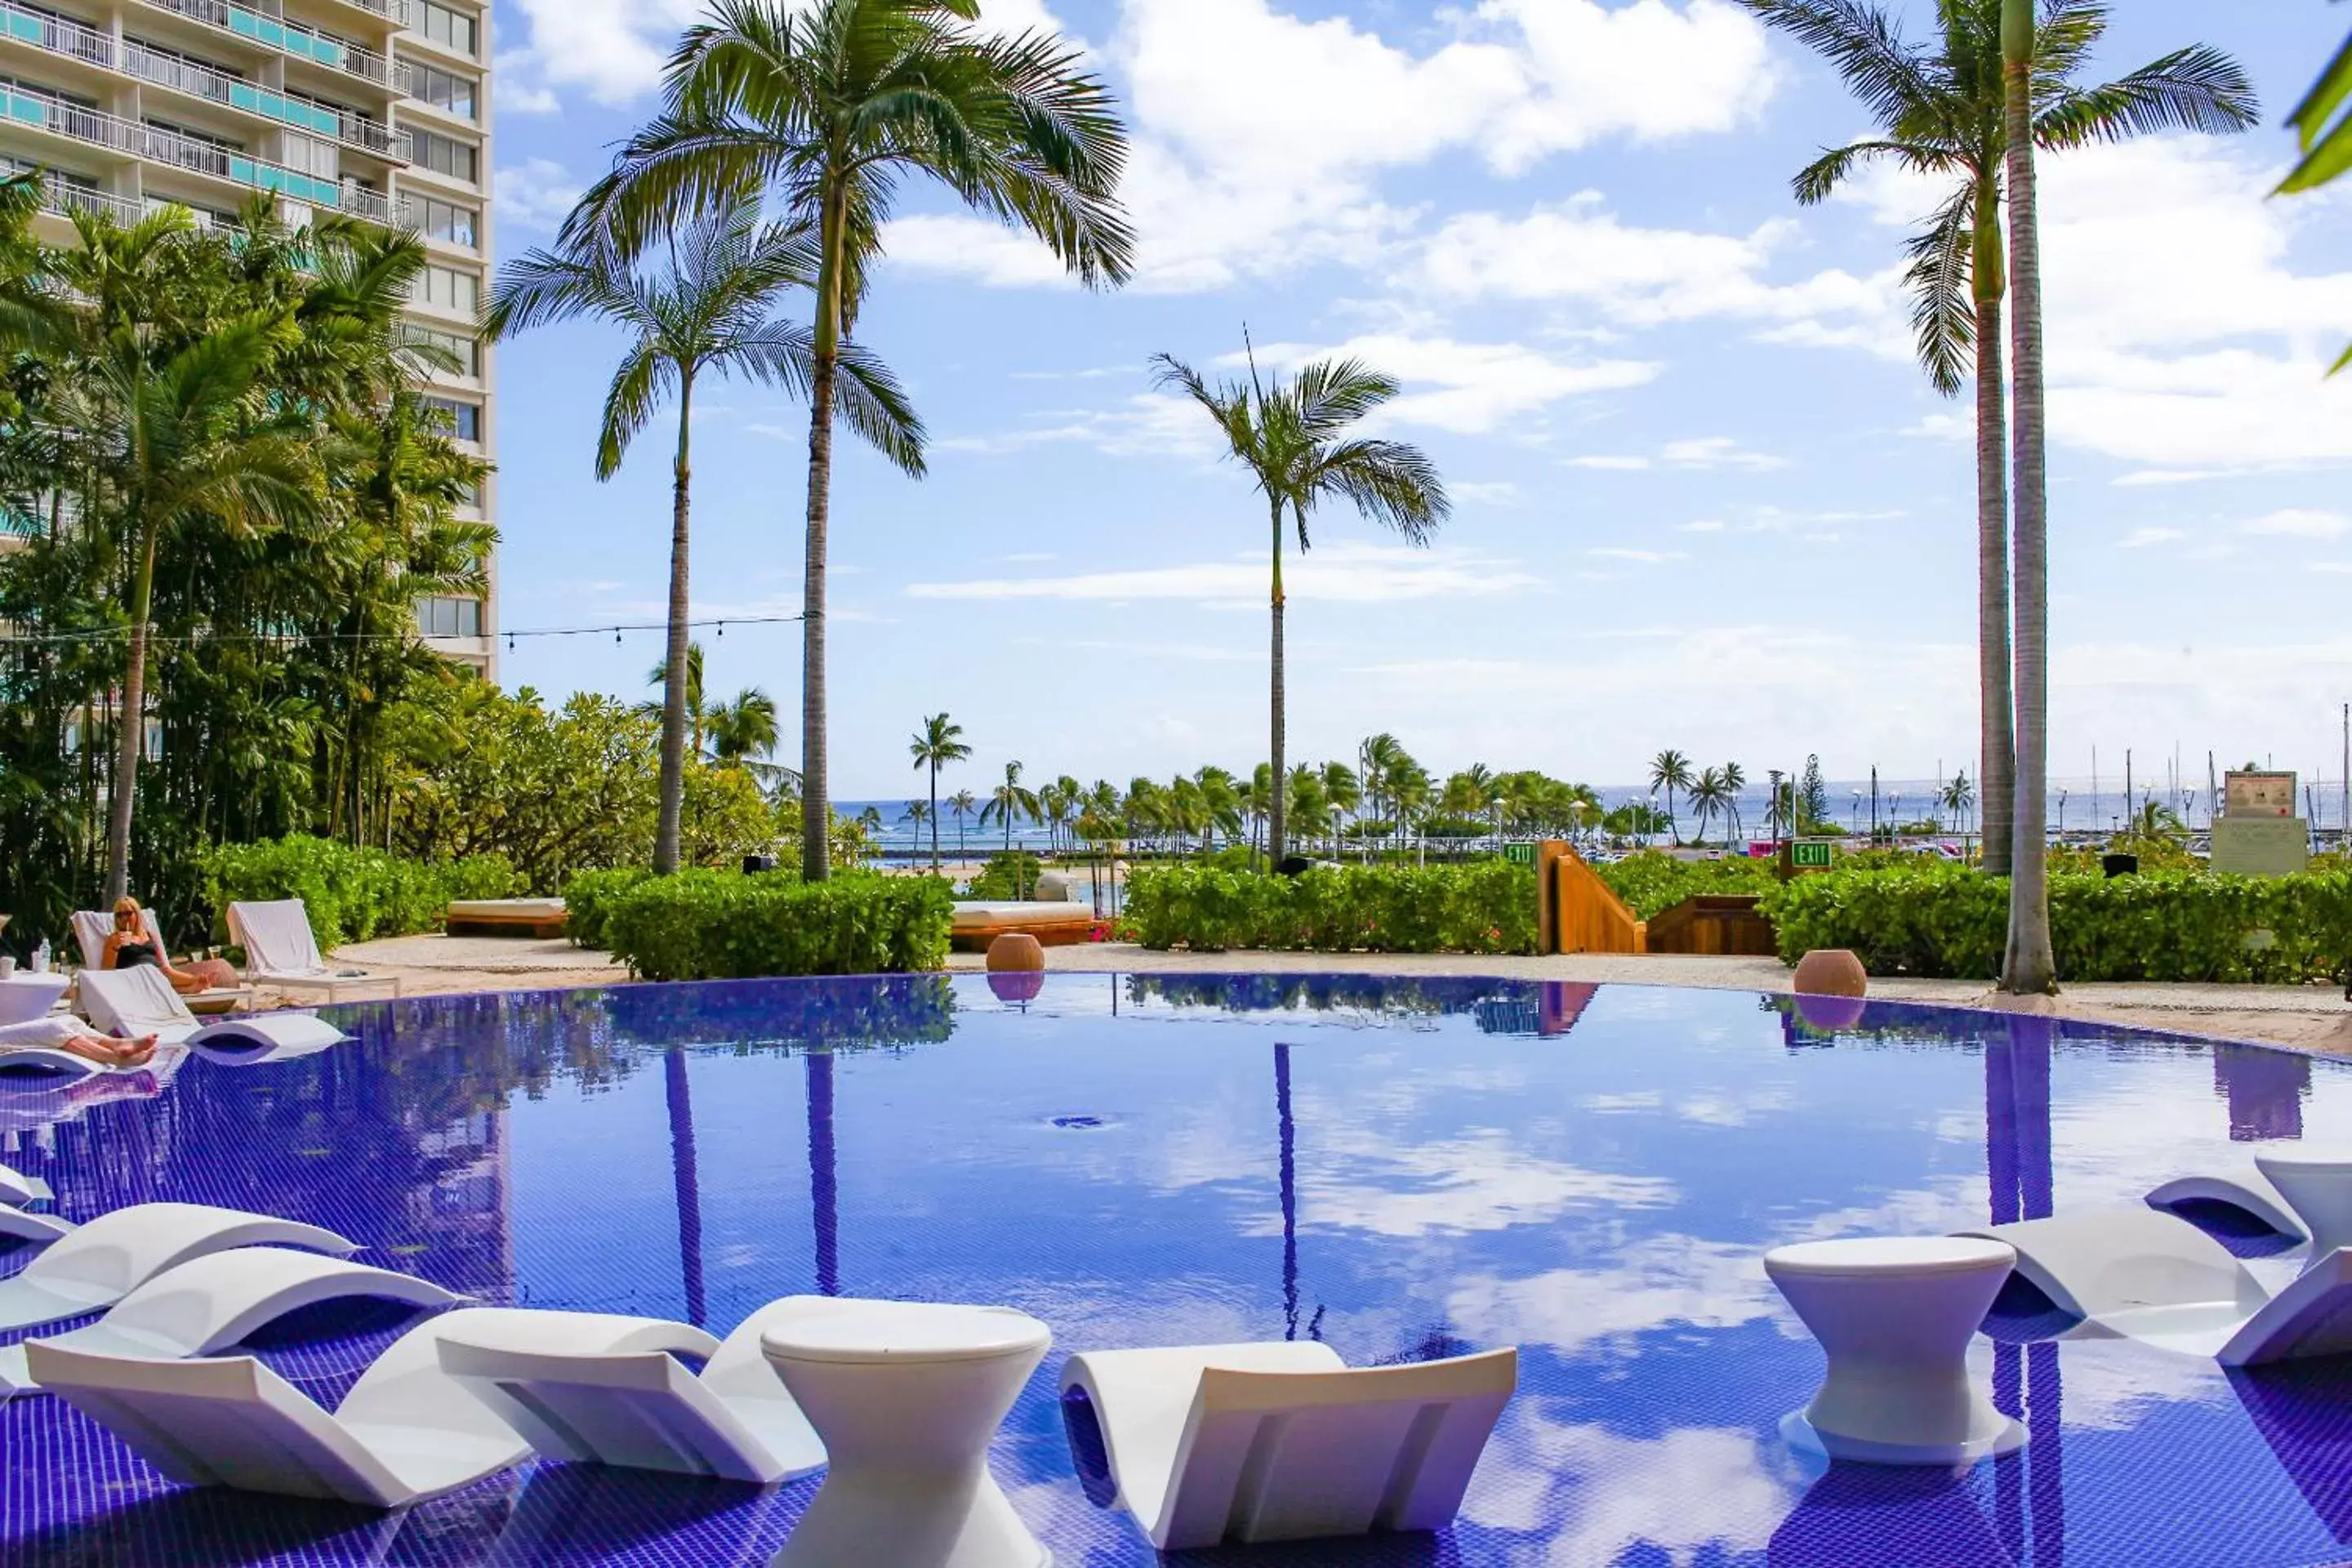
(1404, 1170)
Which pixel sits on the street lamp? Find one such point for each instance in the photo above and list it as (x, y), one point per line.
(2062, 816)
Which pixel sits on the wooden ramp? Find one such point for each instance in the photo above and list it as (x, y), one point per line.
(1716, 926)
(1576, 910)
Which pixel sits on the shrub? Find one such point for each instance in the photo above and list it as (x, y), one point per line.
(724, 925)
(2169, 926)
(352, 894)
(1487, 906)
(1006, 877)
(1653, 881)
(588, 900)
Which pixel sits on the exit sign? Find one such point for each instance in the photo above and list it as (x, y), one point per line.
(1519, 854)
(1812, 856)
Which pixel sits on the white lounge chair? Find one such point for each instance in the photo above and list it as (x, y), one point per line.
(280, 951)
(35, 1049)
(16, 1190)
(93, 1265)
(130, 1002)
(17, 1223)
(209, 1303)
(2147, 1275)
(90, 930)
(643, 1410)
(2243, 1188)
(1280, 1442)
(406, 1431)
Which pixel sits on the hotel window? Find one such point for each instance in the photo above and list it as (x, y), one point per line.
(449, 617)
(445, 155)
(452, 30)
(445, 90)
(448, 289)
(460, 349)
(308, 155)
(447, 221)
(465, 419)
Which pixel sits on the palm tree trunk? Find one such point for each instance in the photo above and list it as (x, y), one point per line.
(673, 736)
(817, 804)
(1278, 813)
(935, 819)
(1996, 767)
(130, 737)
(2032, 968)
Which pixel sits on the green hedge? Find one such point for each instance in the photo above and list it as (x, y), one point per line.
(588, 900)
(725, 925)
(352, 894)
(1486, 906)
(1951, 923)
(1006, 877)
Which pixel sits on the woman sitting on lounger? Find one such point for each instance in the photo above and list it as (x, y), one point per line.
(126, 947)
(70, 1034)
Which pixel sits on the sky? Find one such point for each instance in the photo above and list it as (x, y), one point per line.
(1702, 496)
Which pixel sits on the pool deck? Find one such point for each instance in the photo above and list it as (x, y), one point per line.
(2309, 1018)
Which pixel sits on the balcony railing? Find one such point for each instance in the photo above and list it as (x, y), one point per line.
(66, 198)
(58, 34)
(290, 38)
(298, 109)
(23, 107)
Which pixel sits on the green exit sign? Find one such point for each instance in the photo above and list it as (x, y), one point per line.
(1519, 854)
(1812, 856)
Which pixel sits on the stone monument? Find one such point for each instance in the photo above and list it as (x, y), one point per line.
(2259, 833)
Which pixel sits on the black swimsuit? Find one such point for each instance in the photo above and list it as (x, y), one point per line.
(133, 954)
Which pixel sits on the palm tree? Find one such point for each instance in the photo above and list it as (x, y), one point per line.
(1735, 779)
(939, 742)
(1008, 801)
(2031, 966)
(176, 428)
(1707, 798)
(1942, 112)
(708, 311)
(743, 733)
(697, 714)
(1671, 770)
(2323, 136)
(963, 803)
(1290, 440)
(833, 108)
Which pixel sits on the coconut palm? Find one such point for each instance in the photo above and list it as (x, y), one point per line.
(1735, 779)
(833, 108)
(1290, 439)
(743, 733)
(176, 425)
(964, 804)
(708, 311)
(1009, 801)
(937, 744)
(1941, 112)
(698, 713)
(1707, 795)
(1671, 770)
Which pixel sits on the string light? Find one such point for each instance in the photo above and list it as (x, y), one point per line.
(190, 639)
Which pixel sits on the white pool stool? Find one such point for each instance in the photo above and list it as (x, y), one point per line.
(2317, 1186)
(1895, 1315)
(906, 1397)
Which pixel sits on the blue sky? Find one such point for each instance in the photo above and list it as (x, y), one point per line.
(1703, 499)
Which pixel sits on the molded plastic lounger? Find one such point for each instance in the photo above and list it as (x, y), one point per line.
(644, 1410)
(1279, 1442)
(18, 1190)
(209, 1303)
(2151, 1276)
(15, 1223)
(2246, 1189)
(280, 951)
(33, 1050)
(134, 1002)
(406, 1431)
(96, 1264)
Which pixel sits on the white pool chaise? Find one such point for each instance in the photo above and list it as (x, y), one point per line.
(16, 1190)
(1253, 1443)
(2144, 1274)
(132, 1003)
(17, 1222)
(406, 1431)
(2243, 1188)
(280, 951)
(91, 1266)
(209, 1303)
(642, 1409)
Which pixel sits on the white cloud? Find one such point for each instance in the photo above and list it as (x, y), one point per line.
(1614, 464)
(1467, 388)
(536, 194)
(1640, 557)
(1700, 525)
(1720, 452)
(2141, 538)
(1348, 571)
(1260, 137)
(1149, 424)
(2300, 522)
(611, 49)
(1483, 492)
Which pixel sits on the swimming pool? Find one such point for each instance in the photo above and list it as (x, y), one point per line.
(1405, 1169)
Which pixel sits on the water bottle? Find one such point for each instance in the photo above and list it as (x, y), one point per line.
(41, 957)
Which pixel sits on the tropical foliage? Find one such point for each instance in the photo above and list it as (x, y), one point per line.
(351, 893)
(1487, 906)
(725, 925)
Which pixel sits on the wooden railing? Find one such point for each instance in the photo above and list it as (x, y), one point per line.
(1577, 912)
